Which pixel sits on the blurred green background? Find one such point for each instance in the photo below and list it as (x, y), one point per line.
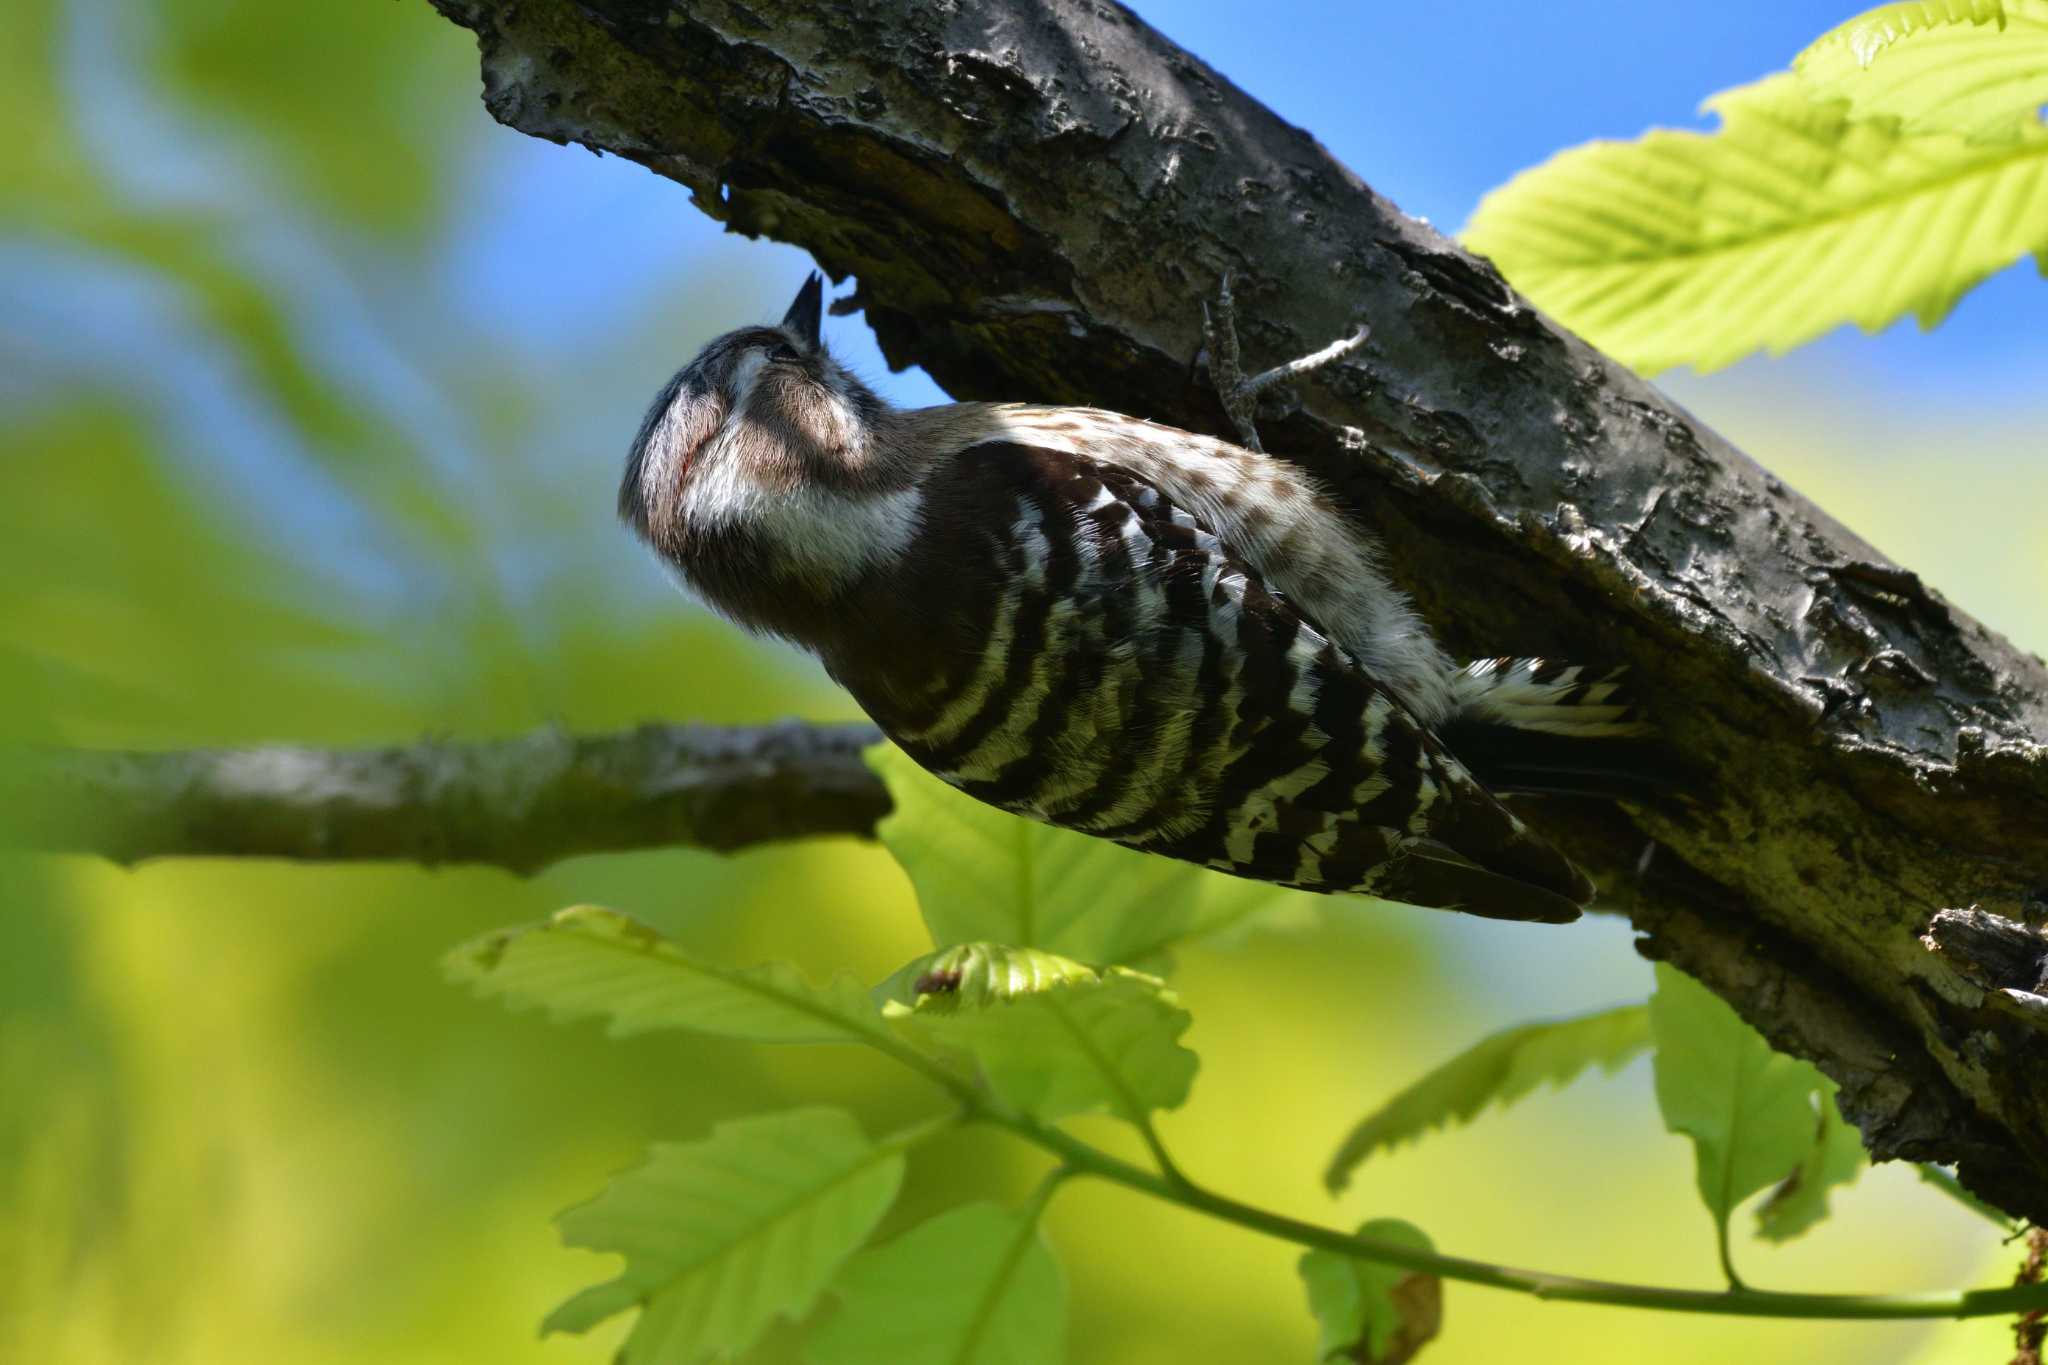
(313, 388)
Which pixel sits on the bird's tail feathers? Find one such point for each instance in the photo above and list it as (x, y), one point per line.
(1431, 875)
(1531, 727)
(1550, 698)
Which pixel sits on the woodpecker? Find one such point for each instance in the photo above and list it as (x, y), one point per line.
(1141, 633)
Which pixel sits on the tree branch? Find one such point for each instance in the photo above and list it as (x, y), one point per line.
(519, 804)
(1034, 195)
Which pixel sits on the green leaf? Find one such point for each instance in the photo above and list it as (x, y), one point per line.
(973, 1286)
(588, 962)
(1381, 1314)
(1975, 67)
(1496, 1070)
(1874, 30)
(1052, 1036)
(1944, 1180)
(1835, 1157)
(983, 874)
(972, 976)
(1694, 248)
(724, 1235)
(1754, 1115)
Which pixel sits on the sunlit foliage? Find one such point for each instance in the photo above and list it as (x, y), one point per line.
(312, 388)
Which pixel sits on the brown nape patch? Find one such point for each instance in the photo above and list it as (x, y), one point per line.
(1254, 520)
(803, 432)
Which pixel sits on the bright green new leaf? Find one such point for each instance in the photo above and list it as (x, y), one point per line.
(985, 875)
(1053, 1037)
(972, 976)
(1870, 33)
(587, 962)
(973, 1286)
(725, 1235)
(1958, 66)
(1496, 1070)
(1835, 1157)
(1685, 248)
(1371, 1312)
(1752, 1113)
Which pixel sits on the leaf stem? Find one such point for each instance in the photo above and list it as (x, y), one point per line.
(1133, 1109)
(974, 1104)
(1080, 1158)
(1013, 1256)
(1041, 1195)
(1727, 1259)
(1169, 1169)
(903, 1139)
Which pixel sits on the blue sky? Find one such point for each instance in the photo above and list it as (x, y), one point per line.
(1432, 105)
(583, 281)
(1436, 104)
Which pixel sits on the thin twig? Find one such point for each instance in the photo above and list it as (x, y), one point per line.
(1084, 1159)
(2031, 1330)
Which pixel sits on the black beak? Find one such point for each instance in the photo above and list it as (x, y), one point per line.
(807, 312)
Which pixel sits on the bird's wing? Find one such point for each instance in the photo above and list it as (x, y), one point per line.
(1270, 512)
(1138, 680)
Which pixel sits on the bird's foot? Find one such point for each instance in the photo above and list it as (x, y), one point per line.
(1239, 391)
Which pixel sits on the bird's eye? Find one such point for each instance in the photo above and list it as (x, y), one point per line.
(784, 354)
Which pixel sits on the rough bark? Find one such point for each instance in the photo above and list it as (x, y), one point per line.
(519, 804)
(1033, 198)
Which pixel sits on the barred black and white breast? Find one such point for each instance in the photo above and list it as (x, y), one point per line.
(1114, 626)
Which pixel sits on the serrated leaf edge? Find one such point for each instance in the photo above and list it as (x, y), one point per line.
(623, 934)
(1352, 1153)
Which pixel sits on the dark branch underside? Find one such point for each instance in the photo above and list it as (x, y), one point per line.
(1033, 198)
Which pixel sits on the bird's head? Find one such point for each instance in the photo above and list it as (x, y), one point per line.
(761, 413)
